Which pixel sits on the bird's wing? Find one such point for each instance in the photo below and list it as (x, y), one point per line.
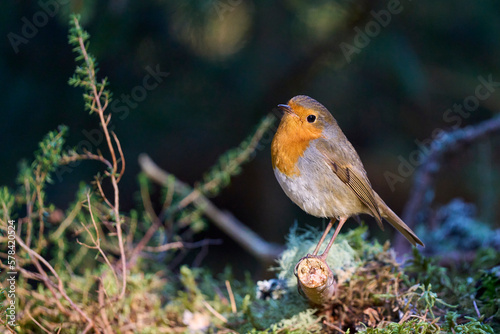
(352, 176)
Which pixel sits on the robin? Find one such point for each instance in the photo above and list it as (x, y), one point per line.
(321, 172)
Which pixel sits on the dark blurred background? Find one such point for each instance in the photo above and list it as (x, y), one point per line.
(388, 71)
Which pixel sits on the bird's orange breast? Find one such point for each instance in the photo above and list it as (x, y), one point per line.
(289, 144)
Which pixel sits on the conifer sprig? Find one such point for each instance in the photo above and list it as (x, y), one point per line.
(86, 71)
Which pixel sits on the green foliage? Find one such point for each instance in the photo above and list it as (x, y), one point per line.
(302, 322)
(428, 272)
(471, 325)
(49, 154)
(229, 164)
(408, 327)
(427, 300)
(290, 314)
(7, 201)
(301, 242)
(368, 279)
(3, 298)
(424, 310)
(79, 248)
(200, 300)
(181, 202)
(85, 74)
(475, 290)
(487, 293)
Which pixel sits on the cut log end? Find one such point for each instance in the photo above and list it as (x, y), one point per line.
(315, 279)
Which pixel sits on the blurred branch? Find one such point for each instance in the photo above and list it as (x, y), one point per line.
(261, 249)
(229, 164)
(183, 244)
(449, 143)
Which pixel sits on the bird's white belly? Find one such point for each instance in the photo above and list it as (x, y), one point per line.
(318, 191)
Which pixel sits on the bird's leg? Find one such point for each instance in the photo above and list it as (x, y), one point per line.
(328, 228)
(342, 220)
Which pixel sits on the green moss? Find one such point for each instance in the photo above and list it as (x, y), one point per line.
(409, 327)
(471, 326)
(303, 241)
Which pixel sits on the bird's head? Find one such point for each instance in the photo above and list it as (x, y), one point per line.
(304, 120)
(305, 117)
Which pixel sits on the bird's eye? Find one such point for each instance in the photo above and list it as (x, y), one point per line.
(311, 118)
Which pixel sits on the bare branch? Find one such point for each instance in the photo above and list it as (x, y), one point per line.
(122, 157)
(85, 156)
(249, 240)
(37, 323)
(183, 244)
(99, 186)
(449, 143)
(97, 239)
(234, 164)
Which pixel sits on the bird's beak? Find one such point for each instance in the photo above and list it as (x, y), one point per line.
(286, 108)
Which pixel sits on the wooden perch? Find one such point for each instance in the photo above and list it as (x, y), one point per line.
(264, 251)
(315, 279)
(449, 142)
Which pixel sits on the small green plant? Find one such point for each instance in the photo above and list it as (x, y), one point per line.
(80, 268)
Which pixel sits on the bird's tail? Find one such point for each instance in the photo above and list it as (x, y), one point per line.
(398, 223)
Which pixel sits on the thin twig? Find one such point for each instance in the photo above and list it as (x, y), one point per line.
(85, 156)
(50, 285)
(183, 244)
(333, 326)
(120, 237)
(37, 323)
(97, 240)
(165, 247)
(146, 200)
(104, 315)
(101, 192)
(29, 211)
(231, 297)
(67, 221)
(214, 312)
(476, 309)
(122, 156)
(61, 289)
(39, 177)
